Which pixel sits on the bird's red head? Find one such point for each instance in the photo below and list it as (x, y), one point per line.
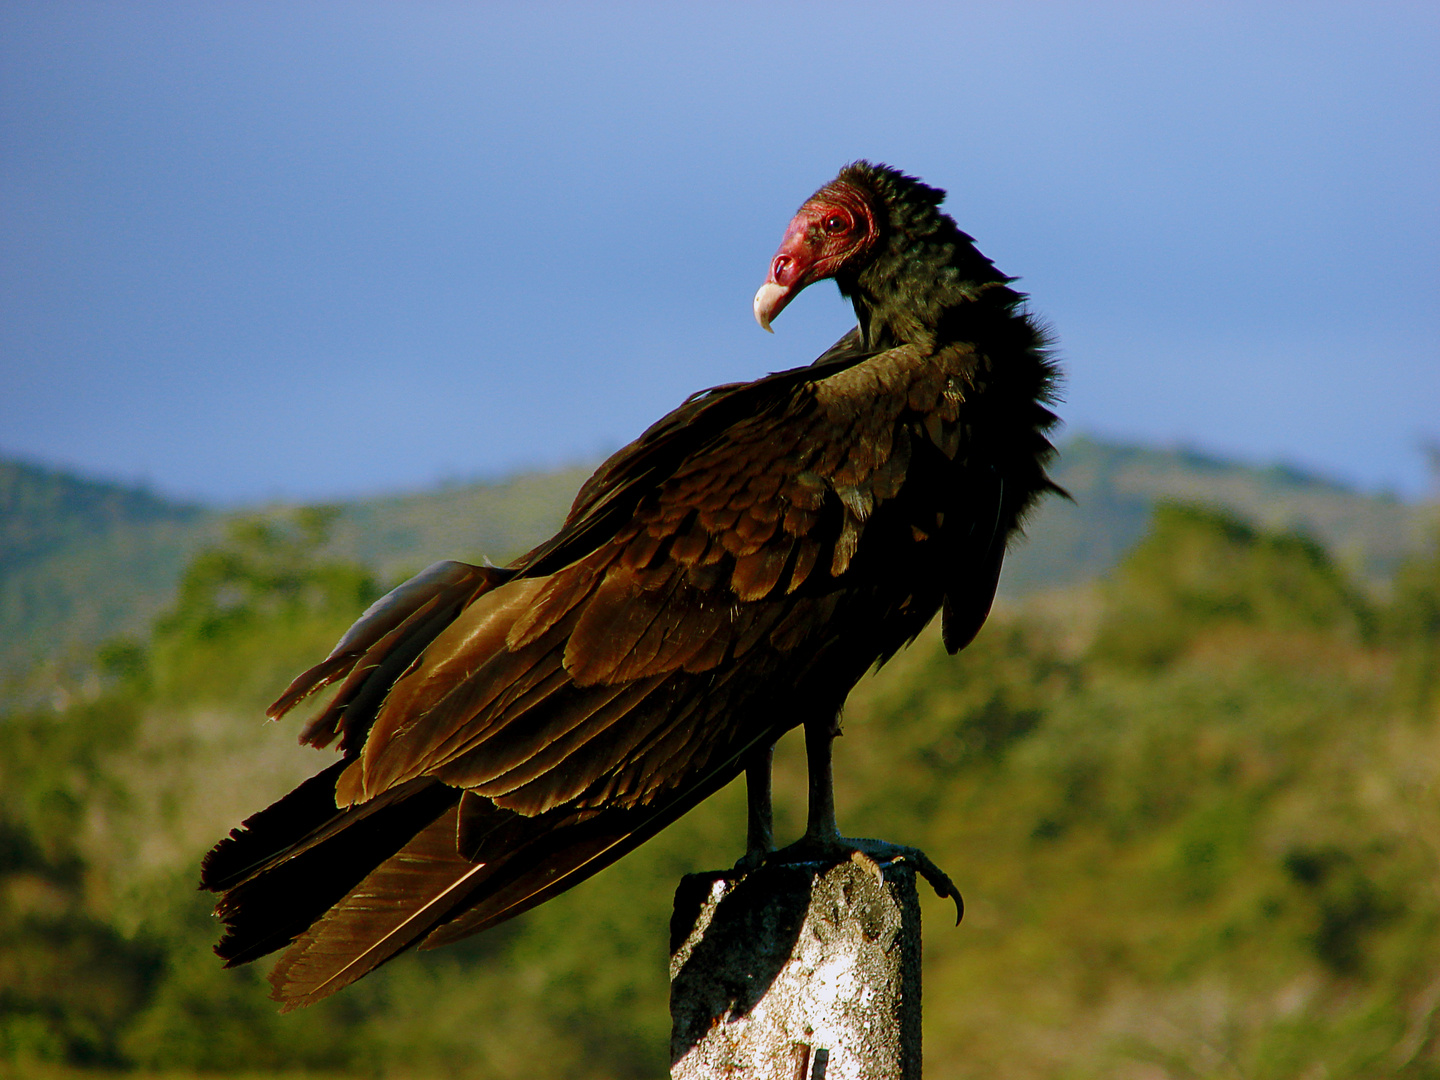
(836, 228)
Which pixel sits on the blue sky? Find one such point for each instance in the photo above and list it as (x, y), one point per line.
(298, 250)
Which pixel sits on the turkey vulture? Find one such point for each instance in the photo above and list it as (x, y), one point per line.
(505, 732)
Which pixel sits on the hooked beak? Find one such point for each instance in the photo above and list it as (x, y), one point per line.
(768, 302)
(789, 271)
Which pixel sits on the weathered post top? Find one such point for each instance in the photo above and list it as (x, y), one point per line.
(797, 971)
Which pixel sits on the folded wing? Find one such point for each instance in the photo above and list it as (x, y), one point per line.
(506, 732)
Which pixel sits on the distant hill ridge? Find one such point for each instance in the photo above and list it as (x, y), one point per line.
(82, 559)
(1115, 487)
(42, 509)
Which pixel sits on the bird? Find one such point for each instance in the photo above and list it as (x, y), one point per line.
(505, 732)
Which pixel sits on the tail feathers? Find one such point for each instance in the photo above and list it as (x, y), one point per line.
(546, 868)
(421, 885)
(396, 904)
(565, 856)
(428, 892)
(361, 889)
(273, 906)
(271, 833)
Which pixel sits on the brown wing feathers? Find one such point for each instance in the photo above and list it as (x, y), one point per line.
(475, 861)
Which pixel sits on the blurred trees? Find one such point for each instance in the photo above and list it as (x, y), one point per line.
(1412, 628)
(246, 607)
(1197, 568)
(1200, 838)
(74, 985)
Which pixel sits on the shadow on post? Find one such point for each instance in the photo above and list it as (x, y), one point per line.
(799, 970)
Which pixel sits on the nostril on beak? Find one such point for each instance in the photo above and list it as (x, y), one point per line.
(781, 265)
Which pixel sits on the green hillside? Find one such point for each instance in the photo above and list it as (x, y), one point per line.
(80, 561)
(1193, 812)
(43, 510)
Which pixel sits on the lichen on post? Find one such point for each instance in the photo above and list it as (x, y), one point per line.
(797, 971)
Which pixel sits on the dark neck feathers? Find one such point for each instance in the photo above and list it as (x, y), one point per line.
(926, 283)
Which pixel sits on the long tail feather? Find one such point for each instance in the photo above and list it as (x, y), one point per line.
(423, 890)
(396, 903)
(270, 834)
(269, 909)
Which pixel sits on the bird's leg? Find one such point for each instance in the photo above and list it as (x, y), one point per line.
(760, 820)
(822, 840)
(820, 824)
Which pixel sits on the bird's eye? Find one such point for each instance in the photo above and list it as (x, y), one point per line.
(837, 223)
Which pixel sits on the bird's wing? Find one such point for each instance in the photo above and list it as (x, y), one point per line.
(509, 732)
(987, 500)
(578, 686)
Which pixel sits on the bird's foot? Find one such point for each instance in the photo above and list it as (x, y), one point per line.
(874, 854)
(753, 859)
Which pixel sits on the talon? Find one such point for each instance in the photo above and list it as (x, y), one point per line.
(877, 853)
(959, 906)
(938, 879)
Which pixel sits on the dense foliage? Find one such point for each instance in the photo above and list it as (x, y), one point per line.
(1193, 811)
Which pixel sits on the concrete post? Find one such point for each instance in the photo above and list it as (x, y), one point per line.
(796, 972)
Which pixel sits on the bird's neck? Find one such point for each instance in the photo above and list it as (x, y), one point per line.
(946, 290)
